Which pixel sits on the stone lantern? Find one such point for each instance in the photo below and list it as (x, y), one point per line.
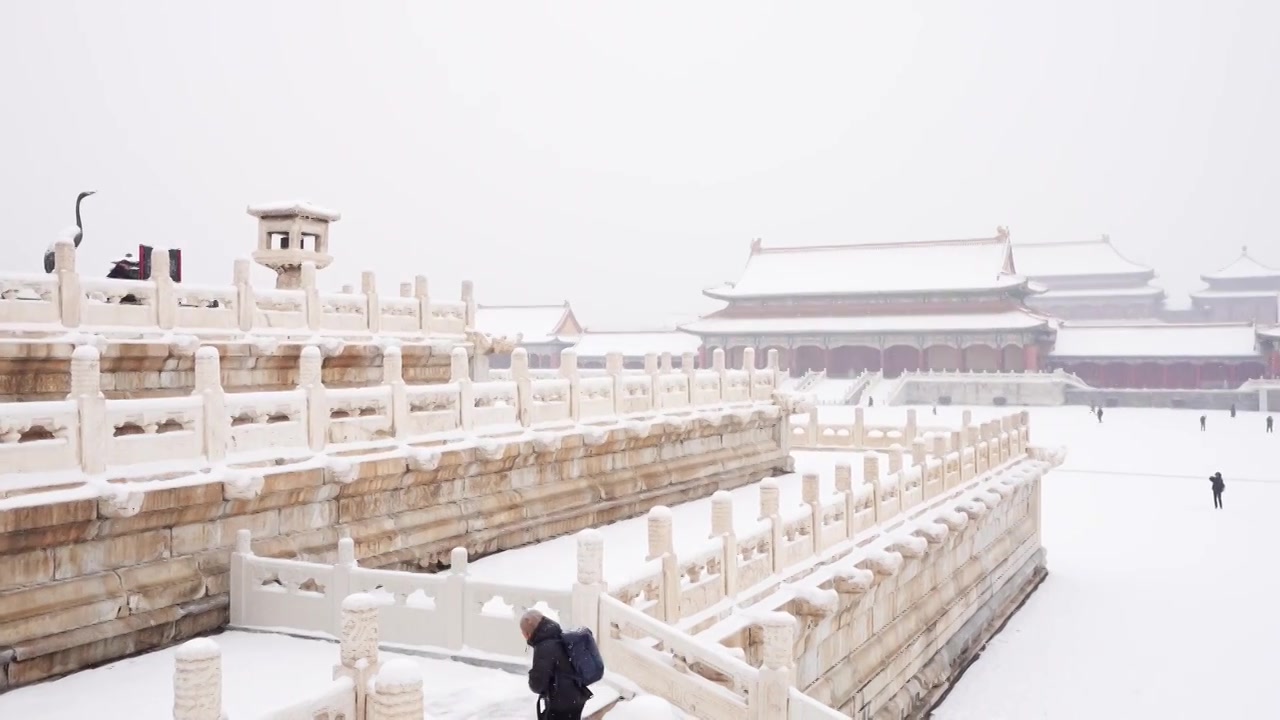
(290, 234)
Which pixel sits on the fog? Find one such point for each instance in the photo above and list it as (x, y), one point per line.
(623, 155)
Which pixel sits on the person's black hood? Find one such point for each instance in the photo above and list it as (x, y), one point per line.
(547, 629)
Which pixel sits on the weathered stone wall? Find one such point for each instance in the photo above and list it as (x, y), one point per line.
(871, 657)
(85, 582)
(42, 370)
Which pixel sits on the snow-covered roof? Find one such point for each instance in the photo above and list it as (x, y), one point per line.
(290, 208)
(875, 268)
(635, 344)
(1243, 268)
(1241, 294)
(1074, 258)
(1152, 340)
(1011, 320)
(536, 323)
(1145, 291)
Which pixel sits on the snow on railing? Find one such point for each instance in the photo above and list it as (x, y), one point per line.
(811, 378)
(362, 686)
(66, 299)
(90, 433)
(447, 610)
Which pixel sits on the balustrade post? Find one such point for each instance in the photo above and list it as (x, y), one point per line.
(859, 428)
(811, 493)
(569, 371)
(246, 302)
(359, 645)
(814, 430)
(460, 375)
(661, 547)
(771, 510)
(197, 681)
(310, 366)
(912, 429)
(373, 305)
(314, 310)
(339, 586)
(70, 294)
(918, 452)
(590, 585)
(721, 369)
(455, 599)
(216, 424)
(844, 485)
(722, 527)
(895, 458)
(393, 376)
(524, 387)
(651, 364)
(773, 695)
(406, 290)
(166, 298)
(664, 363)
(91, 410)
(397, 692)
(420, 291)
(771, 363)
(688, 363)
(614, 367)
(241, 557)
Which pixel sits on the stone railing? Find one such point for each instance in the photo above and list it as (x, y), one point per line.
(810, 433)
(88, 433)
(445, 610)
(362, 688)
(675, 587)
(811, 378)
(1047, 375)
(66, 300)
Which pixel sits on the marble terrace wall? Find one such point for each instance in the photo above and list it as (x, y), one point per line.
(41, 370)
(87, 581)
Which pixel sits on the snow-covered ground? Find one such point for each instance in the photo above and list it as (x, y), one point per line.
(1156, 605)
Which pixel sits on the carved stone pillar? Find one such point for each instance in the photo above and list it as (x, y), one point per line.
(197, 681)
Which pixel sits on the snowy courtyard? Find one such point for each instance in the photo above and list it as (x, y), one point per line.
(1156, 604)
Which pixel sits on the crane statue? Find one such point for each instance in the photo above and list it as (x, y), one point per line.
(77, 238)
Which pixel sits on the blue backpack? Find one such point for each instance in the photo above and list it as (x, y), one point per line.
(584, 656)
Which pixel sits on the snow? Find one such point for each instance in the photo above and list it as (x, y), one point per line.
(816, 596)
(198, 649)
(645, 707)
(261, 673)
(1242, 268)
(636, 344)
(1155, 340)
(1014, 320)
(361, 601)
(536, 324)
(1043, 261)
(934, 266)
(400, 672)
(293, 207)
(660, 512)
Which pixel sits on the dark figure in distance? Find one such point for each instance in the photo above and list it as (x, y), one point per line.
(1269, 423)
(1218, 487)
(551, 677)
(1201, 423)
(1099, 414)
(1233, 409)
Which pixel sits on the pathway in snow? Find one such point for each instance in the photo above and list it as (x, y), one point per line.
(1156, 605)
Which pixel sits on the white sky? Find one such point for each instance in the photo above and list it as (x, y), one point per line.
(623, 155)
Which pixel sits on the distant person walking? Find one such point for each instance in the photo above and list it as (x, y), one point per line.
(1099, 414)
(1270, 423)
(1202, 423)
(1218, 486)
(1233, 409)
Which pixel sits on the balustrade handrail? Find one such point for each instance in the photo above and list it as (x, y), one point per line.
(89, 433)
(66, 299)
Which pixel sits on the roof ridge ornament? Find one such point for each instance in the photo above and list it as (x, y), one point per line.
(1105, 238)
(1002, 232)
(756, 246)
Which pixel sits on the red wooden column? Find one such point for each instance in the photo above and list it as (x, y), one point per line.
(826, 359)
(1031, 357)
(1164, 376)
(791, 361)
(1274, 362)
(1198, 366)
(702, 356)
(1231, 375)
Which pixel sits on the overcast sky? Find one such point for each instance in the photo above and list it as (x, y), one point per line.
(623, 155)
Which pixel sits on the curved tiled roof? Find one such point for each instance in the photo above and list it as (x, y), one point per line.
(1155, 340)
(536, 323)
(1244, 267)
(875, 268)
(1074, 258)
(1010, 320)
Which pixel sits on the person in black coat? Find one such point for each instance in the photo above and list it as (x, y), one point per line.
(1270, 424)
(1218, 486)
(551, 677)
